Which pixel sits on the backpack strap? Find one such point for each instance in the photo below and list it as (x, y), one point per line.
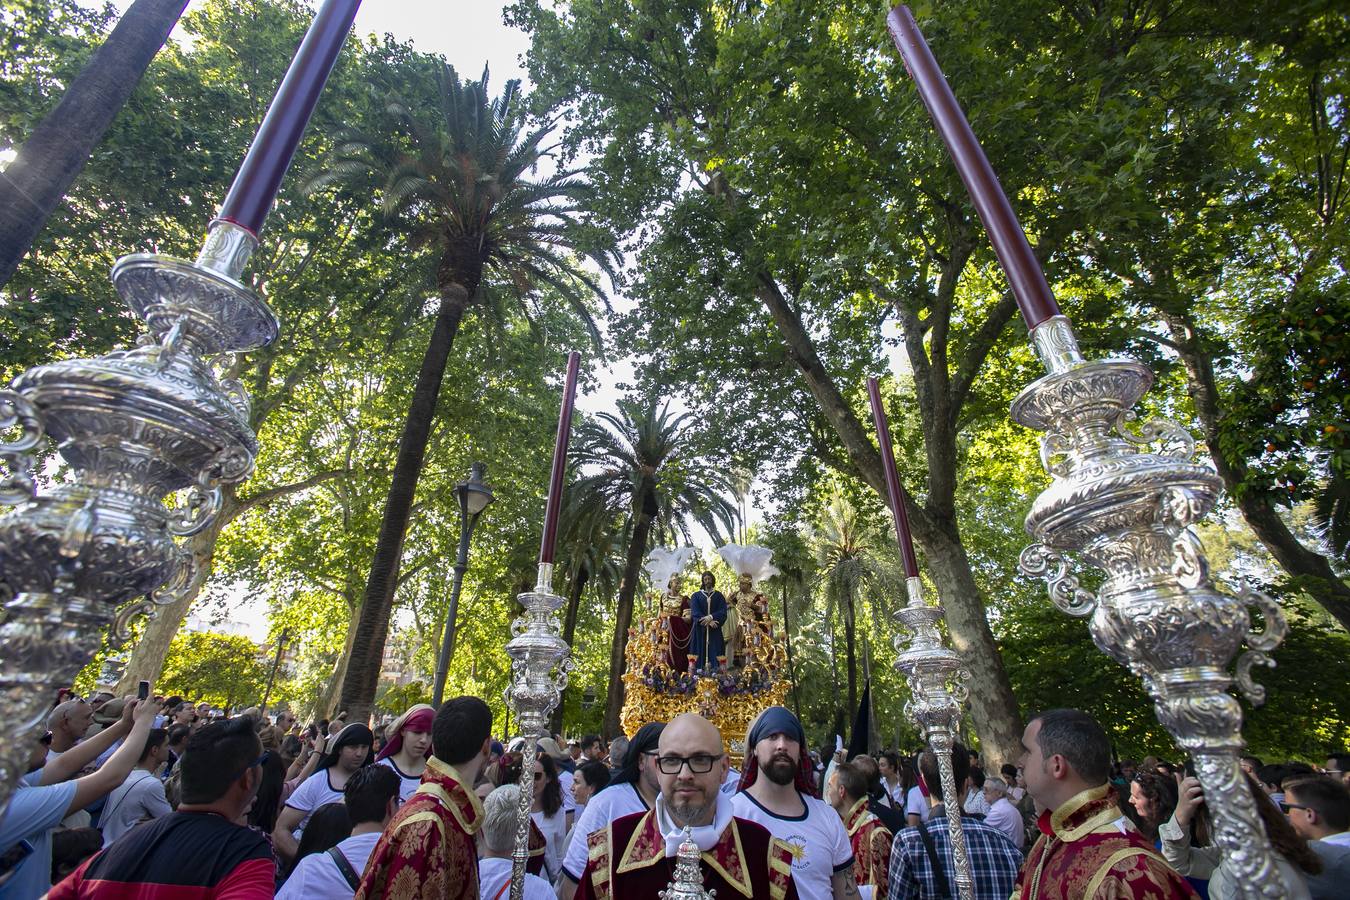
(350, 874)
(944, 889)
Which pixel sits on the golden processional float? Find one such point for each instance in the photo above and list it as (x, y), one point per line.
(714, 654)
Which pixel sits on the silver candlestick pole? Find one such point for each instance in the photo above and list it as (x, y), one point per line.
(937, 690)
(1129, 510)
(540, 661)
(687, 883)
(134, 426)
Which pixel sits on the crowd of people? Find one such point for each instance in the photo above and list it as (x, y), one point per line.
(128, 798)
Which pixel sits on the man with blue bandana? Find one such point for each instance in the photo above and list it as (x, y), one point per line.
(784, 801)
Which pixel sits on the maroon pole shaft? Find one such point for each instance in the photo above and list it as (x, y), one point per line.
(1005, 232)
(555, 482)
(269, 156)
(894, 492)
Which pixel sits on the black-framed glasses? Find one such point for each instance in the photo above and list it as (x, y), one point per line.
(1285, 807)
(699, 763)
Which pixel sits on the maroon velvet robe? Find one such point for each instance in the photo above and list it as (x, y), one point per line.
(628, 859)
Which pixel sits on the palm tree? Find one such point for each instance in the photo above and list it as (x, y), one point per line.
(849, 563)
(456, 183)
(644, 468)
(32, 185)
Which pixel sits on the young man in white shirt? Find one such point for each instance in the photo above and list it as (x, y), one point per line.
(371, 796)
(140, 797)
(783, 801)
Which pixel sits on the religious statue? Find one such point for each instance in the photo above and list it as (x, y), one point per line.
(671, 626)
(676, 621)
(707, 644)
(748, 629)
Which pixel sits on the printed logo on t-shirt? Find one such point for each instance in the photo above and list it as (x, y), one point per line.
(796, 844)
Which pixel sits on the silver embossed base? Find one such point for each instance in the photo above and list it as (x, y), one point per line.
(936, 678)
(540, 662)
(1124, 496)
(136, 427)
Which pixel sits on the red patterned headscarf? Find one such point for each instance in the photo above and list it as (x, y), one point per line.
(419, 718)
(778, 720)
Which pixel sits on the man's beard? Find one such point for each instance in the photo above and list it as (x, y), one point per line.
(691, 815)
(780, 770)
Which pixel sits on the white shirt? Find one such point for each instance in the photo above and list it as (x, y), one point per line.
(313, 792)
(318, 876)
(1005, 817)
(975, 803)
(408, 783)
(565, 781)
(917, 803)
(731, 782)
(139, 798)
(604, 807)
(494, 881)
(554, 828)
(896, 792)
(819, 844)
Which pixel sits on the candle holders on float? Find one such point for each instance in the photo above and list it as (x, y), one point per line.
(134, 426)
(1129, 510)
(937, 690)
(540, 661)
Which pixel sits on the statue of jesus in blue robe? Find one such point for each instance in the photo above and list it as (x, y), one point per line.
(708, 613)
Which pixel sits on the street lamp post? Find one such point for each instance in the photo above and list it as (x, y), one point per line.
(473, 496)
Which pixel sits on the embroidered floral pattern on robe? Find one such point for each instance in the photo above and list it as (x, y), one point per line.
(1083, 855)
(871, 842)
(628, 859)
(427, 849)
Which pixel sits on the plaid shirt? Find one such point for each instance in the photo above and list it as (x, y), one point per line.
(994, 860)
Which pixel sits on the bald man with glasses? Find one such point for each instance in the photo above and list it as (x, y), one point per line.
(635, 855)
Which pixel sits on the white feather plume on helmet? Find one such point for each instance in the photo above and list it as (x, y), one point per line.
(757, 562)
(664, 562)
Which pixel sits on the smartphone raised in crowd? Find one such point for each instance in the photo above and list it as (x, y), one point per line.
(143, 691)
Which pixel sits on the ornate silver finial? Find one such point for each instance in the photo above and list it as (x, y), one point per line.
(1124, 497)
(687, 884)
(135, 427)
(937, 690)
(540, 661)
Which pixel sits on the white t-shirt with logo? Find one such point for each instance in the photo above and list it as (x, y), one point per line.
(819, 844)
(407, 783)
(317, 875)
(313, 792)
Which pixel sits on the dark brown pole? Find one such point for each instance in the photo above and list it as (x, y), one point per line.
(555, 483)
(1005, 232)
(895, 494)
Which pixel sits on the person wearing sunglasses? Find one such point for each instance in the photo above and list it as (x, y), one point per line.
(200, 849)
(635, 856)
(1318, 808)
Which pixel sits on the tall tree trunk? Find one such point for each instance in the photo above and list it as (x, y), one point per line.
(851, 650)
(623, 610)
(569, 633)
(146, 660)
(992, 703)
(1314, 569)
(839, 714)
(325, 704)
(372, 628)
(32, 186)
